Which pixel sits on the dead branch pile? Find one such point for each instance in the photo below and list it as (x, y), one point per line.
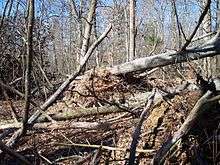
(97, 118)
(71, 145)
(97, 87)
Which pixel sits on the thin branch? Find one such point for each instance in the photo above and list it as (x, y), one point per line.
(105, 147)
(204, 36)
(74, 9)
(4, 13)
(202, 16)
(119, 106)
(177, 21)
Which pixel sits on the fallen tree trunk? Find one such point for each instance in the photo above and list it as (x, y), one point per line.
(81, 112)
(70, 113)
(209, 49)
(62, 126)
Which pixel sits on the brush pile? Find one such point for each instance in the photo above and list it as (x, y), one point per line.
(95, 120)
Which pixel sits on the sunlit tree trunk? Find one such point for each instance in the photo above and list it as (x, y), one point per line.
(78, 16)
(88, 29)
(132, 30)
(127, 33)
(206, 28)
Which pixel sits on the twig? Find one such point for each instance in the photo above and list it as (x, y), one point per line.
(105, 147)
(44, 158)
(66, 158)
(96, 157)
(16, 80)
(124, 108)
(112, 120)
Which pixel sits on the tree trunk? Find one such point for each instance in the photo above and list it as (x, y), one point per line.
(132, 30)
(88, 29)
(78, 16)
(218, 27)
(127, 34)
(206, 28)
(29, 59)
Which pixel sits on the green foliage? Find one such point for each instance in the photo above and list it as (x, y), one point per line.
(152, 39)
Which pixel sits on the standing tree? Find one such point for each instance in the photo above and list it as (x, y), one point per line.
(88, 29)
(218, 27)
(78, 17)
(206, 28)
(132, 30)
(29, 59)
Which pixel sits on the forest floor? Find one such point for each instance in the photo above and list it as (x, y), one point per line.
(59, 142)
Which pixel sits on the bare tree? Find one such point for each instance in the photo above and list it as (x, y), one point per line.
(88, 29)
(206, 28)
(29, 59)
(132, 30)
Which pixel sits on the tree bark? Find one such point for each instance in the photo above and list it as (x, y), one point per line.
(206, 28)
(132, 31)
(88, 29)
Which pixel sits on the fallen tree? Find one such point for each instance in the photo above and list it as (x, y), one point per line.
(208, 49)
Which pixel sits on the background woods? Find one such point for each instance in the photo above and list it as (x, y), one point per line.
(64, 30)
(147, 68)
